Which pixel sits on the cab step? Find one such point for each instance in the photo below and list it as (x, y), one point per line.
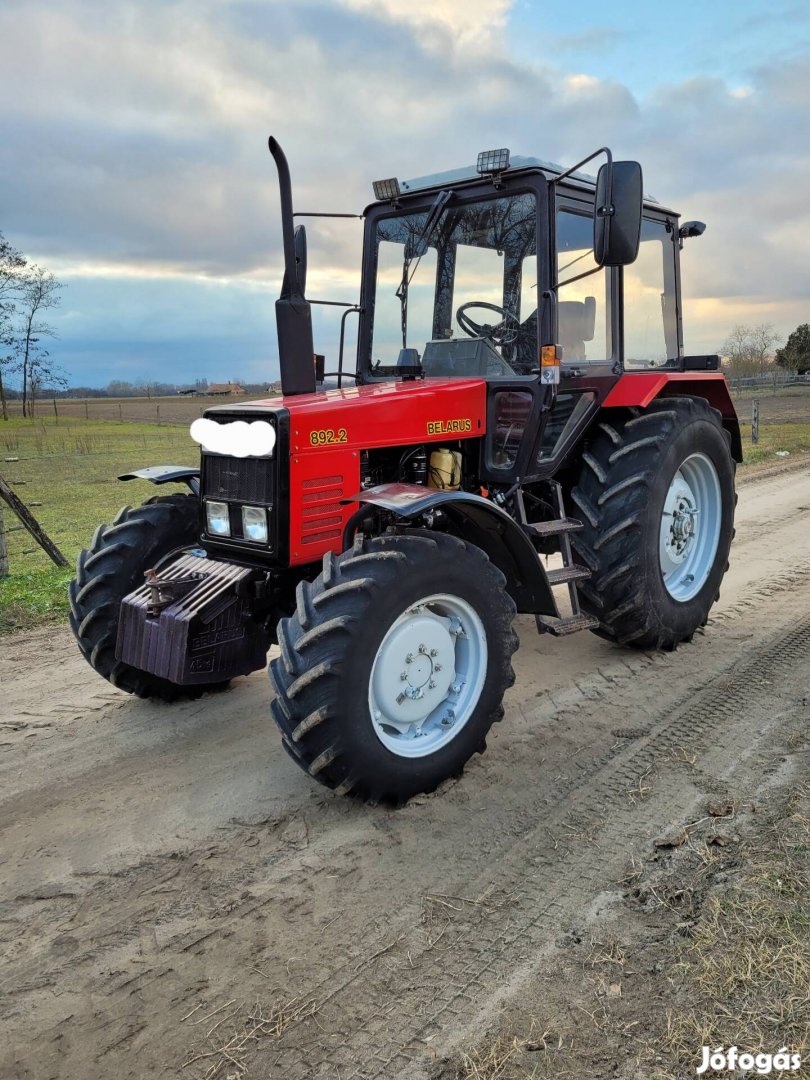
(553, 528)
(563, 627)
(567, 573)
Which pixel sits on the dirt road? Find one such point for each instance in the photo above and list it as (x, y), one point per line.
(166, 873)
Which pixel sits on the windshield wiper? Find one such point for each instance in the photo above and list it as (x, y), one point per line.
(420, 247)
(426, 235)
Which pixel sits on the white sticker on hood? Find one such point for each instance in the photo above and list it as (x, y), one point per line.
(238, 438)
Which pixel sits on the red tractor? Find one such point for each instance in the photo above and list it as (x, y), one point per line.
(520, 390)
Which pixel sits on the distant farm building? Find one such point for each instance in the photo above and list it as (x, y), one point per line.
(217, 389)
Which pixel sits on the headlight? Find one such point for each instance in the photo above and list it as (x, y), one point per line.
(254, 524)
(218, 518)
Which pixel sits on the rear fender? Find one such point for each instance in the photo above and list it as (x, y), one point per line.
(477, 521)
(641, 388)
(166, 474)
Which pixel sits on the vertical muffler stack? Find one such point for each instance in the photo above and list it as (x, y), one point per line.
(293, 312)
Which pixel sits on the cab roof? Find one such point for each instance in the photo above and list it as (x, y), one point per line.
(517, 163)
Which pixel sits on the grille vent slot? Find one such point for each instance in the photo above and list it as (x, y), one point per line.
(322, 514)
(239, 479)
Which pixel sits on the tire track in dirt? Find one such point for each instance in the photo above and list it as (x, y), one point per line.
(726, 713)
(365, 985)
(104, 963)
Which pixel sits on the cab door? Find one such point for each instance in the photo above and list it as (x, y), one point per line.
(583, 319)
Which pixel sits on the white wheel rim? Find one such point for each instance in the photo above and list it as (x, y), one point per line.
(427, 676)
(690, 527)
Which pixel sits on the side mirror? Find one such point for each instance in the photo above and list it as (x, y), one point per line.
(617, 213)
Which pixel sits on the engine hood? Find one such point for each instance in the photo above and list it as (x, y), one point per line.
(383, 414)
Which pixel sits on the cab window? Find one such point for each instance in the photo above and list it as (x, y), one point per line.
(582, 306)
(650, 318)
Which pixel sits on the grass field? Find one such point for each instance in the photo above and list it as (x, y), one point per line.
(65, 470)
(177, 409)
(66, 473)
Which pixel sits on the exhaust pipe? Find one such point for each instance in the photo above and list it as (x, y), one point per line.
(293, 312)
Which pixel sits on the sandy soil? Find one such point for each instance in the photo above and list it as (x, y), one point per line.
(166, 872)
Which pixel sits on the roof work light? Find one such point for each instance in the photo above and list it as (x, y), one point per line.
(493, 161)
(386, 189)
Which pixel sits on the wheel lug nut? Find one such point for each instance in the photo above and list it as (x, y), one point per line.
(422, 649)
(432, 684)
(434, 652)
(437, 667)
(409, 658)
(403, 675)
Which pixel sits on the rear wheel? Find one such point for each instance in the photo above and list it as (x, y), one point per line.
(394, 665)
(656, 498)
(111, 568)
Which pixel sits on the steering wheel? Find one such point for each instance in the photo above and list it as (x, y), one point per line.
(503, 333)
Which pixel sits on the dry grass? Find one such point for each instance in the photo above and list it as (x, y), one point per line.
(748, 963)
(232, 1030)
(506, 1056)
(641, 789)
(491, 1060)
(730, 936)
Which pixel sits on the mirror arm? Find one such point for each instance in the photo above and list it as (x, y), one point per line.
(569, 172)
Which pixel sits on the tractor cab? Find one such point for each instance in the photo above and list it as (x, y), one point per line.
(512, 272)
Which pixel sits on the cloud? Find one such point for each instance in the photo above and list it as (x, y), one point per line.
(135, 163)
(594, 39)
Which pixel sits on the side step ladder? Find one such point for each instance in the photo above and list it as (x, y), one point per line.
(568, 574)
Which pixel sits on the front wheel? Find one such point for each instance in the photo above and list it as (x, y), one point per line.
(394, 665)
(656, 499)
(111, 568)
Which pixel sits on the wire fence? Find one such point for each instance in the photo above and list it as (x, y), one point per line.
(168, 410)
(64, 466)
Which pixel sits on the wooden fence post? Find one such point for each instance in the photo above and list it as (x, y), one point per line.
(86, 413)
(55, 411)
(31, 523)
(3, 548)
(755, 421)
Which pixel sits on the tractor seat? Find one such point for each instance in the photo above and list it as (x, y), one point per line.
(576, 322)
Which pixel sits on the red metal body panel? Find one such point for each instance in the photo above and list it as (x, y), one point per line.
(329, 430)
(640, 388)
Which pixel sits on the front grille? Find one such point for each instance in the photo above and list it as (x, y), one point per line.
(246, 480)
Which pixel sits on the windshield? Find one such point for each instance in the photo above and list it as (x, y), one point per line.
(456, 288)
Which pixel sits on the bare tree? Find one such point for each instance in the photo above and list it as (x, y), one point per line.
(147, 386)
(12, 267)
(40, 292)
(42, 373)
(749, 349)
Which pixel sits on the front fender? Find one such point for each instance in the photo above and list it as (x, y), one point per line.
(166, 474)
(479, 522)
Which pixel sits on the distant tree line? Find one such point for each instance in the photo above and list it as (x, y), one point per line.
(751, 350)
(119, 388)
(27, 293)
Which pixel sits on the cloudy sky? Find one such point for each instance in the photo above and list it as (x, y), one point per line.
(133, 149)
